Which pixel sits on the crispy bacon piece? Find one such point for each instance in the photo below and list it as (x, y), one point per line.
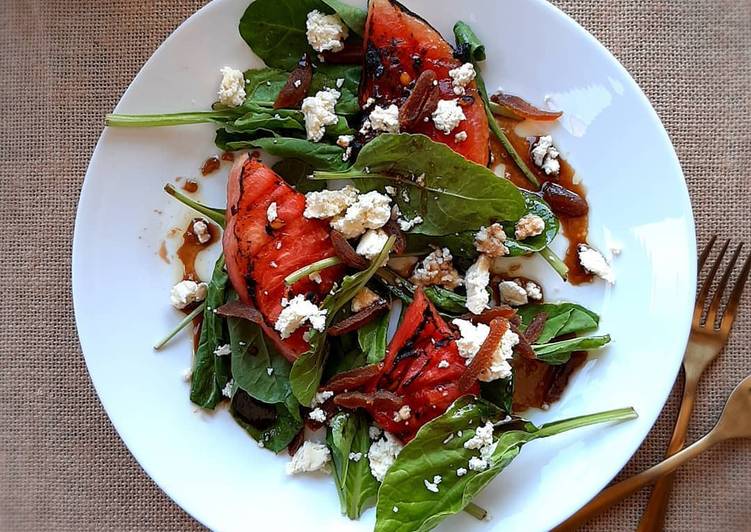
(353, 379)
(355, 321)
(535, 327)
(488, 315)
(297, 85)
(484, 356)
(520, 109)
(347, 253)
(380, 400)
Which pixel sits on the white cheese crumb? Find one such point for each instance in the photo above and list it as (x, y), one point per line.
(186, 292)
(391, 191)
(461, 77)
(315, 277)
(344, 141)
(407, 225)
(368, 103)
(371, 243)
(339, 83)
(296, 313)
(447, 115)
(472, 338)
(512, 293)
(319, 112)
(364, 298)
(271, 212)
(232, 87)
(385, 119)
(297, 83)
(395, 509)
(431, 486)
(355, 457)
(477, 464)
(403, 414)
(461, 472)
(269, 371)
(201, 230)
(476, 280)
(317, 415)
(437, 269)
(483, 436)
(499, 365)
(461, 136)
(529, 225)
(490, 240)
(593, 261)
(187, 374)
(374, 432)
(347, 154)
(310, 456)
(382, 454)
(443, 364)
(321, 397)
(370, 211)
(545, 155)
(227, 390)
(329, 203)
(534, 291)
(223, 350)
(325, 32)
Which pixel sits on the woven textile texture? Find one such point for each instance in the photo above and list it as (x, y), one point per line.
(64, 64)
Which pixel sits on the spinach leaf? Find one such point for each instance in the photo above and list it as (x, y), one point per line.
(275, 30)
(318, 155)
(457, 194)
(427, 455)
(326, 76)
(356, 485)
(535, 205)
(213, 213)
(446, 300)
(257, 368)
(563, 318)
(262, 86)
(500, 392)
(272, 426)
(352, 16)
(341, 360)
(211, 373)
(372, 338)
(556, 353)
(295, 172)
(260, 118)
(307, 370)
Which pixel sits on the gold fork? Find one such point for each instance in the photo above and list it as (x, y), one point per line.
(705, 342)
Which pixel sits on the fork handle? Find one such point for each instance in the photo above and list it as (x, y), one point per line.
(653, 518)
(620, 491)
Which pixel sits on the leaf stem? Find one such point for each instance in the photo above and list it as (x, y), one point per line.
(475, 511)
(317, 266)
(216, 215)
(173, 119)
(557, 427)
(498, 132)
(501, 110)
(180, 326)
(555, 261)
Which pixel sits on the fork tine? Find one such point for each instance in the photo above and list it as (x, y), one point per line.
(735, 297)
(714, 306)
(702, 297)
(705, 252)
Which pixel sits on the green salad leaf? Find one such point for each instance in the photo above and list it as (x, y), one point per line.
(295, 172)
(211, 373)
(348, 435)
(262, 86)
(352, 16)
(563, 318)
(500, 392)
(372, 338)
(454, 195)
(327, 76)
(439, 450)
(556, 353)
(272, 426)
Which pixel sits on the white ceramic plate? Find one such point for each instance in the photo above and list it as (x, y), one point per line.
(205, 462)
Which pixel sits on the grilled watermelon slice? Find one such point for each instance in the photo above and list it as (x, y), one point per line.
(260, 254)
(399, 45)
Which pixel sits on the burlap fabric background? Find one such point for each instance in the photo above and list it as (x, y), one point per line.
(64, 64)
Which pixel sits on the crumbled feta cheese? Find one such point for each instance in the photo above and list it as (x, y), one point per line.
(477, 464)
(186, 292)
(483, 436)
(431, 486)
(529, 225)
(443, 364)
(315, 277)
(371, 243)
(339, 83)
(447, 115)
(364, 298)
(512, 293)
(490, 240)
(420, 180)
(321, 397)
(461, 77)
(374, 432)
(232, 87)
(437, 269)
(461, 136)
(271, 212)
(355, 457)
(545, 155)
(317, 415)
(296, 313)
(461, 472)
(273, 264)
(297, 83)
(223, 350)
(407, 225)
(325, 32)
(310, 456)
(347, 154)
(403, 414)
(370, 211)
(368, 103)
(329, 203)
(391, 191)
(395, 509)
(472, 338)
(499, 365)
(382, 454)
(269, 371)
(227, 390)
(319, 112)
(476, 280)
(593, 261)
(534, 291)
(187, 374)
(385, 119)
(201, 231)
(344, 140)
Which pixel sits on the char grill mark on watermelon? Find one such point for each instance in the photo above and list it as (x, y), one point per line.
(260, 255)
(399, 45)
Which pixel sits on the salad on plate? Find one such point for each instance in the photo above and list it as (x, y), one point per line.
(367, 313)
